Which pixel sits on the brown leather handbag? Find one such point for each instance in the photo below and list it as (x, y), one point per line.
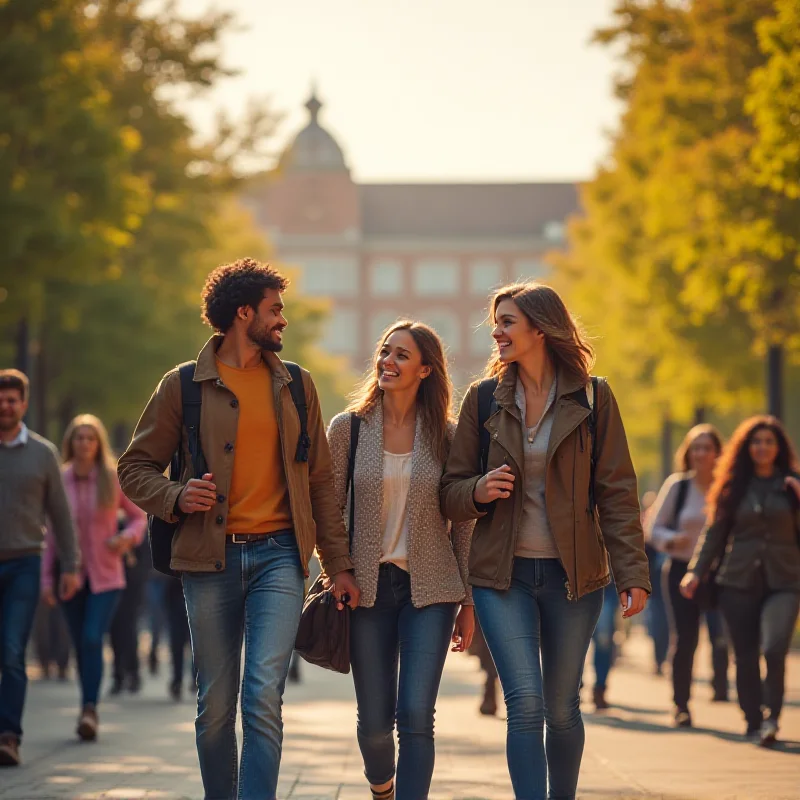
(323, 637)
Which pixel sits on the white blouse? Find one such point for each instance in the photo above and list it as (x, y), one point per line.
(394, 522)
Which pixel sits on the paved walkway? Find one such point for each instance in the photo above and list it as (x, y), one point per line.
(147, 744)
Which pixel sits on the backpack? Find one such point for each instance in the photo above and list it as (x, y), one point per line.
(487, 406)
(162, 532)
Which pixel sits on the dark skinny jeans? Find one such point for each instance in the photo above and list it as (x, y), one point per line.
(760, 621)
(686, 615)
(390, 637)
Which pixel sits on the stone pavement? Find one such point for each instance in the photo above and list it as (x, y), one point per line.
(146, 749)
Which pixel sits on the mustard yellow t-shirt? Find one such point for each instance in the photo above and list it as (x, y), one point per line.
(258, 500)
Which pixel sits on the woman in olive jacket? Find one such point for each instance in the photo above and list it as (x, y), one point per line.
(539, 555)
(754, 534)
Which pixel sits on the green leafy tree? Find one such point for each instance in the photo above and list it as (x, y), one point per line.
(686, 258)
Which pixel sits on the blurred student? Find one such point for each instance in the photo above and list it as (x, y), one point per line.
(32, 492)
(677, 519)
(96, 502)
(754, 534)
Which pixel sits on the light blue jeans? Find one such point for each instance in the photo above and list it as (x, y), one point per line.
(538, 640)
(257, 598)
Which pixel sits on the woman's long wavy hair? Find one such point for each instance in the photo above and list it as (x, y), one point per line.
(545, 310)
(682, 453)
(104, 461)
(435, 393)
(735, 468)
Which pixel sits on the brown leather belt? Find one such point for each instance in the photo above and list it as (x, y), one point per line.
(247, 538)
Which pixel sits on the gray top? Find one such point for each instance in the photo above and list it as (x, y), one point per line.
(534, 537)
(31, 490)
(661, 525)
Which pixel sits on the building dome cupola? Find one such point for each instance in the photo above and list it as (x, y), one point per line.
(313, 149)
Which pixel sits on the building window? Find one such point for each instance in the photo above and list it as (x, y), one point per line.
(340, 332)
(484, 276)
(447, 325)
(531, 268)
(386, 278)
(555, 232)
(379, 323)
(436, 277)
(480, 339)
(330, 277)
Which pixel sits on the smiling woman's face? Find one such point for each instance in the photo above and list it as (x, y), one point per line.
(400, 366)
(513, 333)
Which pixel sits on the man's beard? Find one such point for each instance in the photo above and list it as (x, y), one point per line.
(9, 423)
(263, 338)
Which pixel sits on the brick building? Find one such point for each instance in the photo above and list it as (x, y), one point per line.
(428, 251)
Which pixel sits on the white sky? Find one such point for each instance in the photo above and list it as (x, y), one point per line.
(431, 89)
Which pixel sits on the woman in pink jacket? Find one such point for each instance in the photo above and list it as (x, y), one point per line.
(90, 479)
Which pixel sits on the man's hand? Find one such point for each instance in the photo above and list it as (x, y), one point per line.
(68, 586)
(464, 629)
(198, 495)
(49, 597)
(494, 485)
(633, 602)
(689, 585)
(344, 584)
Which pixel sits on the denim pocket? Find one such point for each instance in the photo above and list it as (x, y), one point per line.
(284, 541)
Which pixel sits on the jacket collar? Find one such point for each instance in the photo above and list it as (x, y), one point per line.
(206, 368)
(505, 393)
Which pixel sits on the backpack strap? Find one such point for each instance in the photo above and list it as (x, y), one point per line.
(487, 406)
(299, 399)
(587, 397)
(191, 403)
(355, 427)
(680, 501)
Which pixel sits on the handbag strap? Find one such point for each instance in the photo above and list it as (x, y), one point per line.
(355, 426)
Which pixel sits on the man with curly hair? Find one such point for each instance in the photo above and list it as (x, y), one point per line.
(249, 524)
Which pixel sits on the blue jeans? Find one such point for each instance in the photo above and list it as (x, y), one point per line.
(256, 598)
(89, 617)
(538, 640)
(656, 611)
(394, 630)
(19, 596)
(603, 636)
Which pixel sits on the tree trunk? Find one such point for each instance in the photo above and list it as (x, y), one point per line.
(699, 415)
(23, 357)
(775, 380)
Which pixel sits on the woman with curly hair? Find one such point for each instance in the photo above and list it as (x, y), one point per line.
(754, 535)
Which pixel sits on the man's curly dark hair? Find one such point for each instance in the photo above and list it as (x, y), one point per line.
(232, 286)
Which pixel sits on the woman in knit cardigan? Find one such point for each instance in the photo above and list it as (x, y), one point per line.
(410, 562)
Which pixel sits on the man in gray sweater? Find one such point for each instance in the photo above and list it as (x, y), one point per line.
(30, 490)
